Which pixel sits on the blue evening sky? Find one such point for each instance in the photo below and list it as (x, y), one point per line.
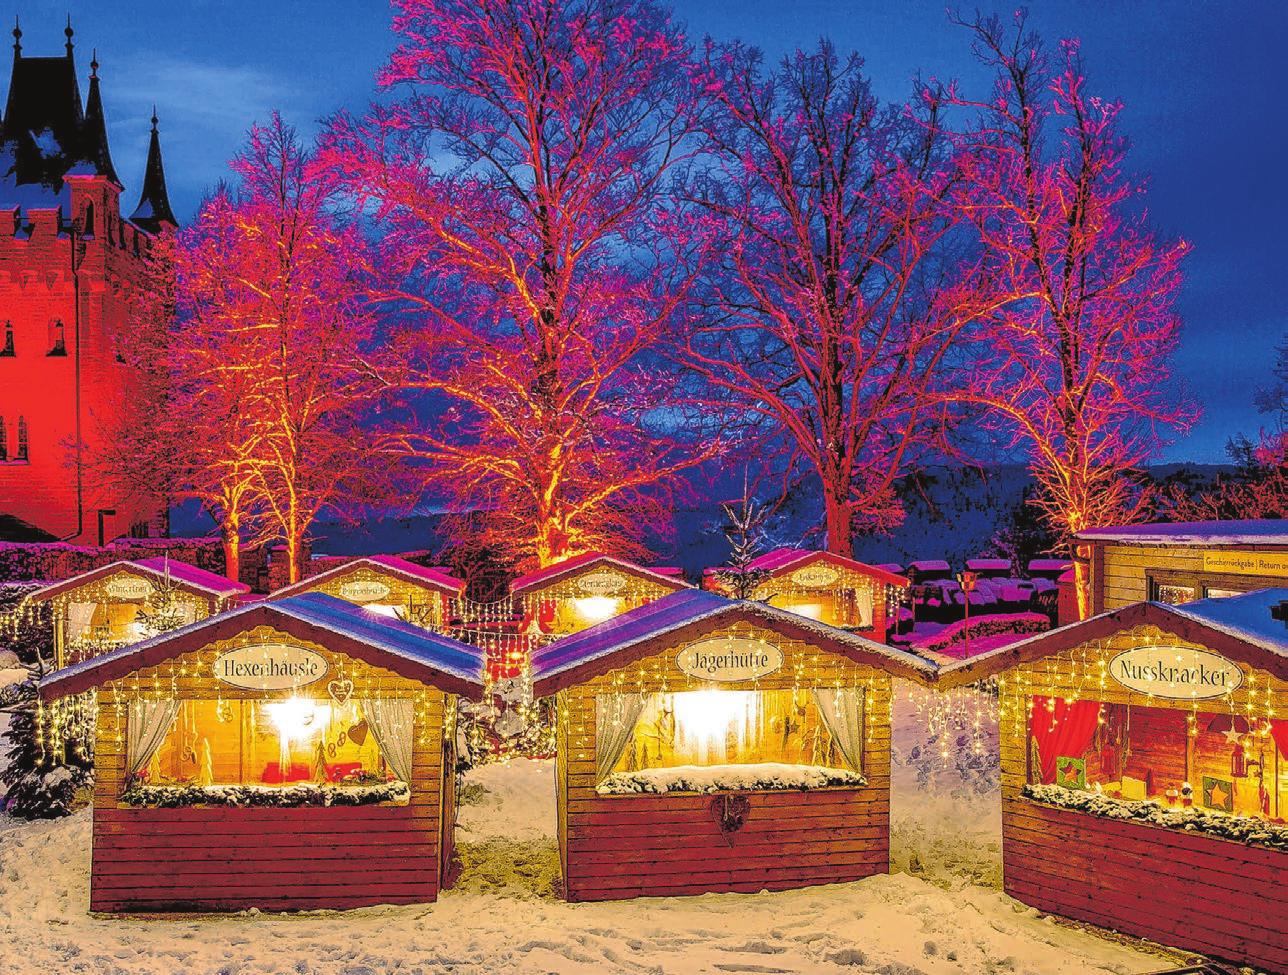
(1200, 82)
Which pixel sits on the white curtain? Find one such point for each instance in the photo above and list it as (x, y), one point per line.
(615, 717)
(842, 713)
(79, 616)
(863, 608)
(390, 721)
(146, 728)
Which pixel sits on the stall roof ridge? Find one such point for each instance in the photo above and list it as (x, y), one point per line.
(187, 575)
(401, 647)
(1240, 627)
(567, 661)
(786, 557)
(1248, 531)
(392, 564)
(558, 570)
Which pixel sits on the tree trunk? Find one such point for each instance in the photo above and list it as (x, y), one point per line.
(231, 532)
(840, 525)
(1082, 586)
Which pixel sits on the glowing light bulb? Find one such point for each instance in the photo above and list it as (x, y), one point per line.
(595, 608)
(297, 718)
(705, 720)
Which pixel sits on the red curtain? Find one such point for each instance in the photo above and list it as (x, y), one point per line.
(1067, 730)
(1279, 732)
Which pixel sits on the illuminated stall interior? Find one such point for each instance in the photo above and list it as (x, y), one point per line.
(306, 729)
(1158, 735)
(587, 589)
(387, 585)
(721, 730)
(125, 602)
(824, 587)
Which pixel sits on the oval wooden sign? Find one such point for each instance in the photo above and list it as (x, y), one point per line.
(1177, 673)
(729, 659)
(601, 583)
(817, 576)
(270, 667)
(128, 587)
(363, 590)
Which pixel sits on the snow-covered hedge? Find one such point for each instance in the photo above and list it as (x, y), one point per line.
(722, 778)
(1021, 624)
(1243, 829)
(304, 794)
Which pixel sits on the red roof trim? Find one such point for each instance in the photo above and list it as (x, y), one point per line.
(103, 571)
(573, 565)
(782, 560)
(388, 564)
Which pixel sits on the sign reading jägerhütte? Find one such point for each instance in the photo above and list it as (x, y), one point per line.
(270, 667)
(729, 659)
(1179, 673)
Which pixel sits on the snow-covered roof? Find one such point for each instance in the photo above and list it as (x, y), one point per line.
(929, 565)
(1238, 627)
(989, 565)
(333, 623)
(388, 564)
(578, 563)
(1049, 565)
(688, 614)
(1259, 531)
(785, 560)
(182, 574)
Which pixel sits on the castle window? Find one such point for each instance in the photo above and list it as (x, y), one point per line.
(4, 442)
(21, 452)
(89, 221)
(57, 338)
(7, 347)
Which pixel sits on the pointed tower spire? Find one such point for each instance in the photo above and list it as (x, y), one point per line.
(69, 32)
(153, 211)
(17, 39)
(95, 130)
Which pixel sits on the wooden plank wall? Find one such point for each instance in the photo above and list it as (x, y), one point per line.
(1122, 578)
(614, 847)
(217, 858)
(1184, 889)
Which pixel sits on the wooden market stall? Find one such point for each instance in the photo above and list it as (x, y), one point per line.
(587, 589)
(125, 602)
(288, 755)
(388, 585)
(1146, 750)
(709, 744)
(825, 587)
(1183, 561)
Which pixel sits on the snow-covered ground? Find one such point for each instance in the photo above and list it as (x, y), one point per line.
(940, 913)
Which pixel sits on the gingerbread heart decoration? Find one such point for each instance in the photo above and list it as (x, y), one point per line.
(358, 733)
(340, 690)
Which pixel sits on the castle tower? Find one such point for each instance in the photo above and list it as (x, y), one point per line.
(68, 264)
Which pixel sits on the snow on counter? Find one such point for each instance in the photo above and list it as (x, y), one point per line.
(723, 778)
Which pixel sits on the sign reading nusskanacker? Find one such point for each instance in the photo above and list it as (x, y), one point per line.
(1178, 673)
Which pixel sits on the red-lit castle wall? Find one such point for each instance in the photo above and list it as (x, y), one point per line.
(39, 387)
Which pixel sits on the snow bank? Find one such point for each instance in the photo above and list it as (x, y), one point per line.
(504, 914)
(717, 778)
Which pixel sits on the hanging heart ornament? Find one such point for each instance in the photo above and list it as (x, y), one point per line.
(340, 691)
(358, 733)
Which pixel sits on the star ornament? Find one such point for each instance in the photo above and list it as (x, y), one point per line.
(1218, 797)
(1231, 735)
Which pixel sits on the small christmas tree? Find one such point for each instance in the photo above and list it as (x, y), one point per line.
(42, 779)
(163, 610)
(744, 528)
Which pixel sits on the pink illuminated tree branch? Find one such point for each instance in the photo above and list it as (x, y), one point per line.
(1075, 293)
